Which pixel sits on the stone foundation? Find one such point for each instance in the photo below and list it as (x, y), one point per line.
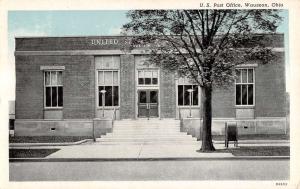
(62, 127)
(245, 127)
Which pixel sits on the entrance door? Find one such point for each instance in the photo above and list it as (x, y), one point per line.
(148, 103)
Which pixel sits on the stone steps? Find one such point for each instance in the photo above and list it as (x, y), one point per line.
(148, 139)
(146, 136)
(175, 134)
(146, 142)
(147, 131)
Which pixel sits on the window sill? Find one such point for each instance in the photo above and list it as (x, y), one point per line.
(244, 106)
(53, 108)
(148, 85)
(185, 107)
(108, 108)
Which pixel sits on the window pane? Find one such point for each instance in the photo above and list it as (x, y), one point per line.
(244, 94)
(141, 81)
(54, 96)
(181, 80)
(155, 74)
(108, 96)
(60, 96)
(143, 97)
(238, 95)
(250, 94)
(48, 96)
(100, 95)
(108, 78)
(147, 81)
(148, 74)
(141, 74)
(53, 78)
(153, 96)
(195, 95)
(180, 95)
(115, 79)
(59, 78)
(239, 77)
(244, 75)
(186, 94)
(154, 81)
(116, 96)
(250, 76)
(100, 78)
(47, 78)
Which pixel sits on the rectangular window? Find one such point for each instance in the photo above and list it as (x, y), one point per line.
(148, 77)
(244, 86)
(53, 89)
(186, 98)
(108, 82)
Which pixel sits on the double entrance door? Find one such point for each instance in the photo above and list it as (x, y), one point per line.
(147, 103)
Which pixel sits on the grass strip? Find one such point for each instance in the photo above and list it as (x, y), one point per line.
(30, 153)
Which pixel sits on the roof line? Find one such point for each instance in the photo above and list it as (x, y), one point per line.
(83, 36)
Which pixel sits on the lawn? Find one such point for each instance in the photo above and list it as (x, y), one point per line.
(259, 151)
(30, 153)
(46, 139)
(256, 137)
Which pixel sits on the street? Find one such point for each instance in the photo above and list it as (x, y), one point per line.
(242, 169)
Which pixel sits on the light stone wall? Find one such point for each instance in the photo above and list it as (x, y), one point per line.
(63, 127)
(245, 127)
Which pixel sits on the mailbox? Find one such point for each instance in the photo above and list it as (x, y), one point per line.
(231, 133)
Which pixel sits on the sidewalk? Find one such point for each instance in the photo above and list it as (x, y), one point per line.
(141, 151)
(135, 151)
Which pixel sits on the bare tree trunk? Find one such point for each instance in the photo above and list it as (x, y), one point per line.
(206, 97)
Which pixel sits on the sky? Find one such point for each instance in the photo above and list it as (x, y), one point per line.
(74, 23)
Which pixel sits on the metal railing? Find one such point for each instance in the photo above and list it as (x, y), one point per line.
(180, 118)
(114, 117)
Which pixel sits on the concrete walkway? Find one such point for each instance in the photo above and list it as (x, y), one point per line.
(117, 151)
(135, 151)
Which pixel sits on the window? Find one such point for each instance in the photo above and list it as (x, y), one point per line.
(245, 86)
(184, 96)
(108, 81)
(53, 89)
(148, 77)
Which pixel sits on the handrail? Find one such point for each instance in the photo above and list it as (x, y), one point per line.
(179, 112)
(114, 117)
(180, 118)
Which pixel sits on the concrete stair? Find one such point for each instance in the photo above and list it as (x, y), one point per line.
(147, 131)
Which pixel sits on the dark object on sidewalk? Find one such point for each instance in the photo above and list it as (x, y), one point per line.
(231, 133)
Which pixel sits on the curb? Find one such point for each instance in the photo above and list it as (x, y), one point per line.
(49, 144)
(148, 159)
(88, 140)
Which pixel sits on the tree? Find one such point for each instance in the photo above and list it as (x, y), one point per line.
(204, 46)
